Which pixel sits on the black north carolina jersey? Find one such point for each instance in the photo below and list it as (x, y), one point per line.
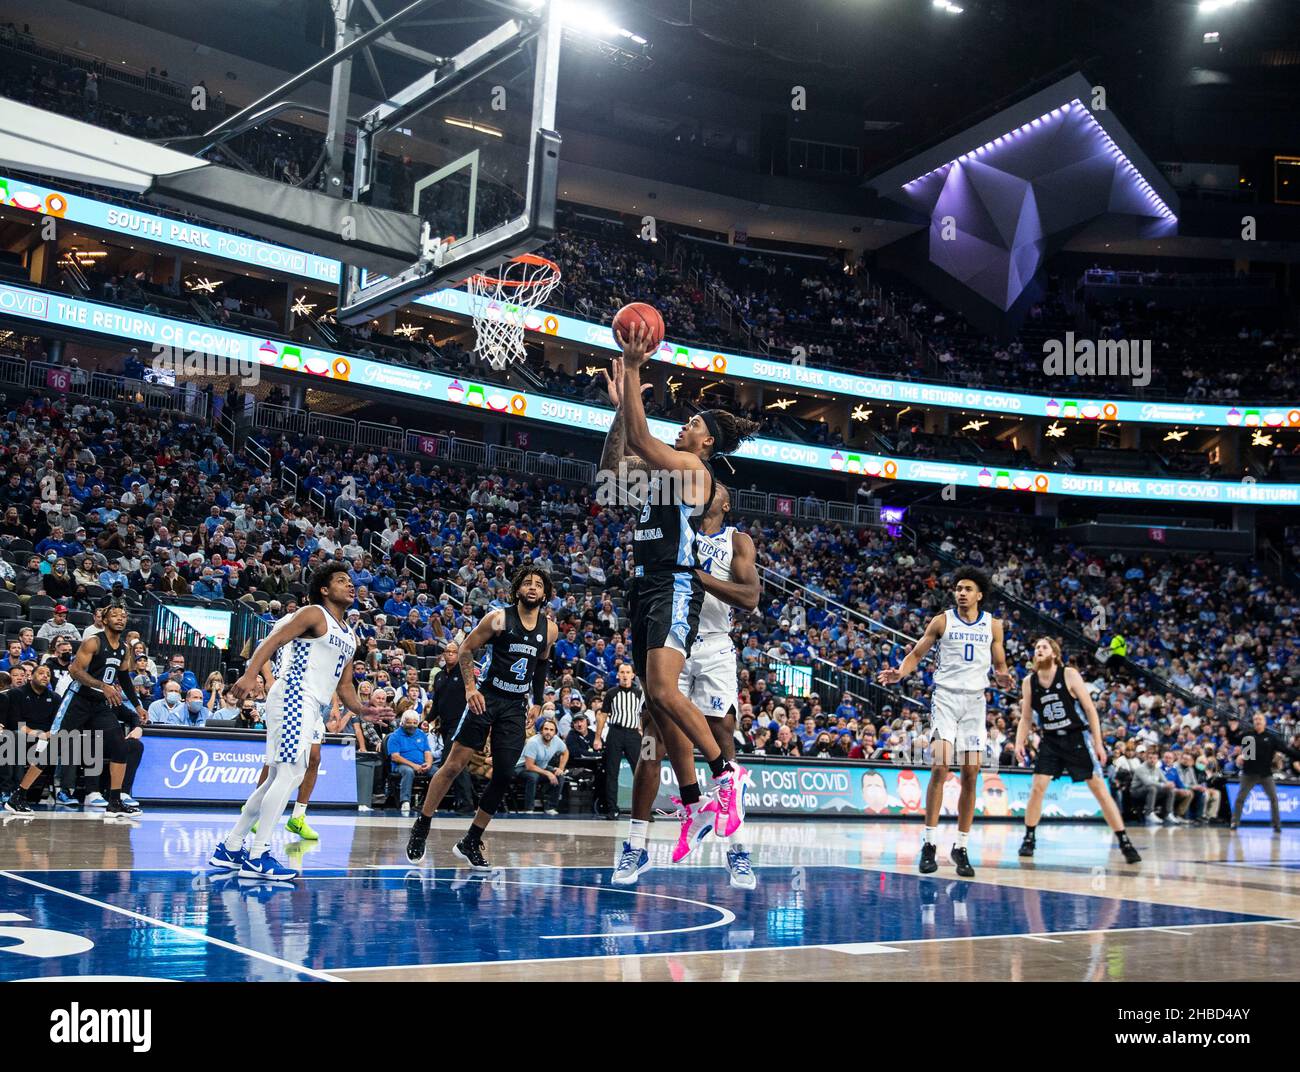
(515, 652)
(106, 665)
(664, 536)
(1054, 708)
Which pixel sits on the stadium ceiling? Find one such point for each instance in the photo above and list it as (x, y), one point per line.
(1003, 193)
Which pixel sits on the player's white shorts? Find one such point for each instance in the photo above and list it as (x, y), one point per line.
(708, 678)
(959, 718)
(291, 727)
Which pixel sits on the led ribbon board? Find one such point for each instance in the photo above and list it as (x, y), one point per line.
(135, 223)
(23, 303)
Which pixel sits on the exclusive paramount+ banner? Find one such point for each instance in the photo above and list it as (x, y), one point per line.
(802, 787)
(212, 767)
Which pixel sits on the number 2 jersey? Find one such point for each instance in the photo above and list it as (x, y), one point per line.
(513, 658)
(964, 653)
(307, 669)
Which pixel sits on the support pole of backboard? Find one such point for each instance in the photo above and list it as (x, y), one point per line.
(232, 125)
(340, 93)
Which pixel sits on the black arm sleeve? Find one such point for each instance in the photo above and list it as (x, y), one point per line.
(539, 682)
(127, 713)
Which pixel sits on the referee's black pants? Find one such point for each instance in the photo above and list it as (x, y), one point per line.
(621, 743)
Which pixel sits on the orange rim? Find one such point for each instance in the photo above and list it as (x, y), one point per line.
(525, 258)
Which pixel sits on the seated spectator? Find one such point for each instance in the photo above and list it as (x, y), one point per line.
(410, 754)
(58, 626)
(1152, 789)
(167, 710)
(544, 758)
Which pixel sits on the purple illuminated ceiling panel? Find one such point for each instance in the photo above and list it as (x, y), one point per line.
(993, 209)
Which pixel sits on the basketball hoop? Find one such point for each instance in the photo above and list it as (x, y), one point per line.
(505, 303)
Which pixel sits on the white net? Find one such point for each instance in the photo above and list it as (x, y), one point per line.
(505, 302)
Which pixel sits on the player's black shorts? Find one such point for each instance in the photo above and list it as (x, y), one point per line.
(503, 720)
(1066, 754)
(96, 716)
(665, 610)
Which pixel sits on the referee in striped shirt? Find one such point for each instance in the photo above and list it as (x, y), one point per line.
(622, 712)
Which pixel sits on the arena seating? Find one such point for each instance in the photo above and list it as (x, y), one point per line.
(1215, 635)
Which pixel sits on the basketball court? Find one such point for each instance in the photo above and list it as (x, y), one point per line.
(835, 900)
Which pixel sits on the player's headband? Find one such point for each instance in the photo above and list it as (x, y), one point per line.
(711, 423)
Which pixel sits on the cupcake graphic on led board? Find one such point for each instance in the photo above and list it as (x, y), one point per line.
(1053, 407)
(837, 462)
(1070, 409)
(455, 391)
(1234, 416)
(267, 354)
(475, 396)
(985, 478)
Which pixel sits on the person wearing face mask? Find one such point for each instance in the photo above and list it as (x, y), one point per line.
(169, 711)
(192, 713)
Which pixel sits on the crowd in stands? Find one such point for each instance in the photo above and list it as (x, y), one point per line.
(99, 503)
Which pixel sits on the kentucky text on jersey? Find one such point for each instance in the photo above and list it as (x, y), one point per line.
(964, 653)
(714, 552)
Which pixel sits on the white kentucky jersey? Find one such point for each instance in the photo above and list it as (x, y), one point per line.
(714, 555)
(307, 669)
(965, 653)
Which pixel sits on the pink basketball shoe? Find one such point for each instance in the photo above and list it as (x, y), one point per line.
(728, 799)
(696, 824)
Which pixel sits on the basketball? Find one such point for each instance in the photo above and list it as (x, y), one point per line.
(640, 313)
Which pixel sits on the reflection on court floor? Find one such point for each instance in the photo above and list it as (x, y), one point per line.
(142, 904)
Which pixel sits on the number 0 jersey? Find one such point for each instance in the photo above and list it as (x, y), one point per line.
(964, 653)
(308, 669)
(515, 652)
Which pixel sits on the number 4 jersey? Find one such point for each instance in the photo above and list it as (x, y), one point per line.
(515, 652)
(964, 653)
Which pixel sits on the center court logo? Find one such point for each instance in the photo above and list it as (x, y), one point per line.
(112, 1026)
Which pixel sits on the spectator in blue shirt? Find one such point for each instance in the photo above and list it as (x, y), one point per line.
(410, 754)
(117, 575)
(545, 757)
(208, 586)
(190, 713)
(397, 606)
(384, 581)
(161, 711)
